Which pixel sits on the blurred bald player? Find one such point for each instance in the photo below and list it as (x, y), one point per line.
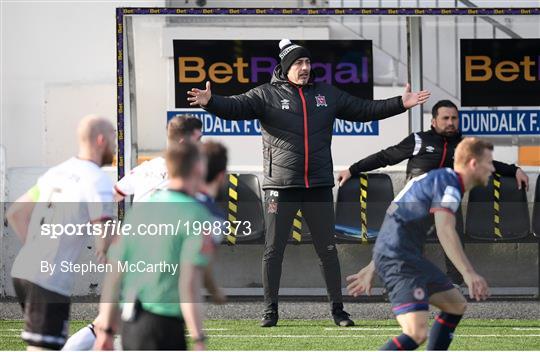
(75, 192)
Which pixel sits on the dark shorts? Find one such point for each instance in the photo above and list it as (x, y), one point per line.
(46, 315)
(149, 331)
(410, 282)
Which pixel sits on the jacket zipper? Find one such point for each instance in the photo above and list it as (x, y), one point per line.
(306, 142)
(443, 159)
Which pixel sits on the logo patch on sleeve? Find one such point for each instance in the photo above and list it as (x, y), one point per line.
(451, 198)
(419, 294)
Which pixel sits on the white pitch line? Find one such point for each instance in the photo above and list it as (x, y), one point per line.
(350, 336)
(291, 336)
(525, 329)
(334, 336)
(530, 335)
(207, 329)
(365, 329)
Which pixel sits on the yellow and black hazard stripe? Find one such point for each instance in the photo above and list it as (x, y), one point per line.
(232, 213)
(497, 205)
(363, 207)
(297, 227)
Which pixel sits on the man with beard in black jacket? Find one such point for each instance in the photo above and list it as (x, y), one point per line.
(429, 150)
(297, 117)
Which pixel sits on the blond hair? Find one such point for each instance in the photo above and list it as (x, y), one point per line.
(471, 148)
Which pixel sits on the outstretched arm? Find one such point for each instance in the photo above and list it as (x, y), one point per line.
(357, 109)
(200, 97)
(247, 106)
(411, 99)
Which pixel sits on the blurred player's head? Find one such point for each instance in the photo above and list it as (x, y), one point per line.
(295, 62)
(216, 161)
(473, 159)
(184, 128)
(186, 166)
(96, 137)
(445, 119)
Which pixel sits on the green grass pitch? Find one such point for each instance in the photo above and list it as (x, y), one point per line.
(323, 335)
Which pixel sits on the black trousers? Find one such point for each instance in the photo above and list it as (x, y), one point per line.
(46, 315)
(317, 207)
(150, 331)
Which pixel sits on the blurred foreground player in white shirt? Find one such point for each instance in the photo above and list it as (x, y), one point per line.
(75, 192)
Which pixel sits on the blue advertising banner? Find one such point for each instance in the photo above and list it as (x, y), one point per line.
(500, 122)
(214, 126)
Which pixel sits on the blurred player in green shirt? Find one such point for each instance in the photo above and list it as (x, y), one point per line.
(159, 276)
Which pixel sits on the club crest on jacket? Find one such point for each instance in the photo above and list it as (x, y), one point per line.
(321, 100)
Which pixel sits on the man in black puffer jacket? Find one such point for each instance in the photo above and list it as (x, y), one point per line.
(429, 150)
(297, 117)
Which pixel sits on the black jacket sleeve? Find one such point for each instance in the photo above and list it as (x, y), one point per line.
(505, 169)
(389, 156)
(356, 109)
(246, 106)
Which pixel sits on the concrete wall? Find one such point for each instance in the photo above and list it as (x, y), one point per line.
(301, 269)
(58, 64)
